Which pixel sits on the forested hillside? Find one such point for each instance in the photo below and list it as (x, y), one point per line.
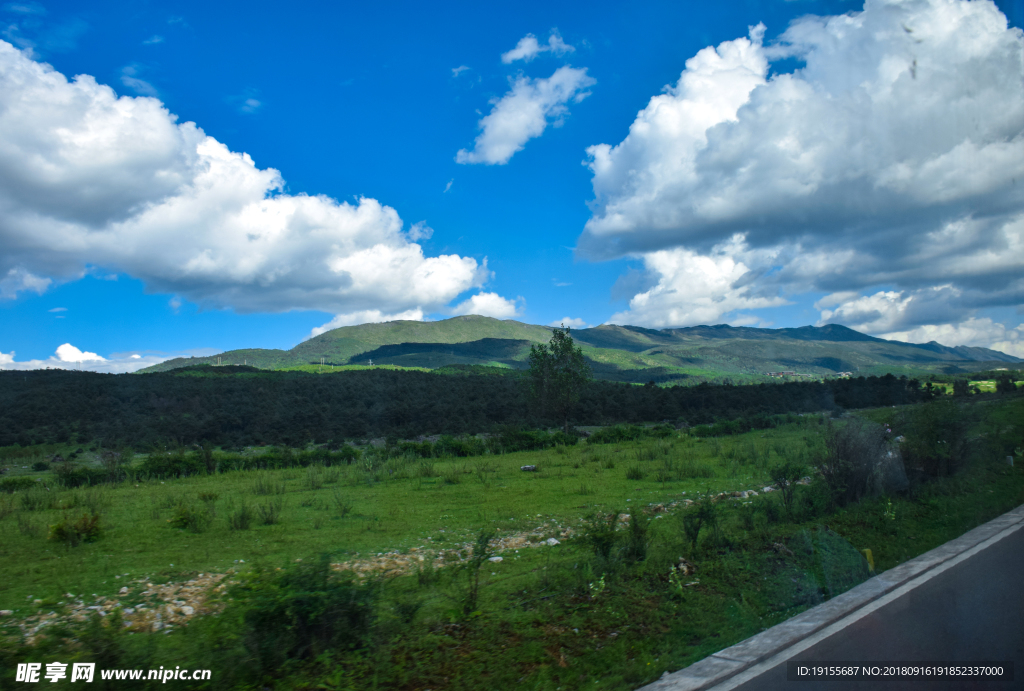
(238, 406)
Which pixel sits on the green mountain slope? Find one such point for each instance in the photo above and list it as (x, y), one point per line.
(624, 353)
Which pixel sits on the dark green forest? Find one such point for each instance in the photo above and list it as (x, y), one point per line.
(232, 407)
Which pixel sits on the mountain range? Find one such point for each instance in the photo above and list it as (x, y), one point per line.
(622, 353)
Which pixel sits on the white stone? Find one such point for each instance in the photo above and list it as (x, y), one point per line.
(495, 559)
(552, 542)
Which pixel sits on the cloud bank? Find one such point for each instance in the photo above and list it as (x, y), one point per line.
(523, 114)
(68, 356)
(887, 172)
(88, 178)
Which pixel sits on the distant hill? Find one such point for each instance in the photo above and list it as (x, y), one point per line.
(622, 353)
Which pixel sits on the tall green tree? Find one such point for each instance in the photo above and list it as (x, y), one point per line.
(558, 374)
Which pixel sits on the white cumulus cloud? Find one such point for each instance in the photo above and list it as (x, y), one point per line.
(88, 178)
(982, 332)
(488, 305)
(523, 114)
(690, 288)
(68, 356)
(887, 169)
(528, 48)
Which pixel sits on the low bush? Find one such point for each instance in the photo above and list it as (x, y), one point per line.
(192, 518)
(858, 462)
(37, 498)
(702, 516)
(303, 612)
(241, 518)
(16, 484)
(266, 484)
(934, 437)
(616, 434)
(785, 476)
(638, 537)
(72, 533)
(270, 513)
(599, 534)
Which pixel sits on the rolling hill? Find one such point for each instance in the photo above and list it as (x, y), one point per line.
(622, 353)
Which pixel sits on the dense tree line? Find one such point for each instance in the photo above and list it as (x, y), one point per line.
(234, 406)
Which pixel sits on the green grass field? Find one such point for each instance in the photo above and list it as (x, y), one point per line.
(544, 617)
(395, 507)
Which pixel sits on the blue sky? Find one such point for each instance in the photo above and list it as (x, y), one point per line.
(664, 165)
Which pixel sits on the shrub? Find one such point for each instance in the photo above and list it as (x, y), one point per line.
(857, 462)
(314, 477)
(40, 466)
(689, 468)
(702, 515)
(265, 484)
(638, 537)
(270, 513)
(15, 484)
(341, 504)
(175, 463)
(37, 499)
(785, 476)
(303, 612)
(634, 472)
(599, 533)
(481, 553)
(85, 529)
(6, 507)
(191, 518)
(241, 518)
(935, 437)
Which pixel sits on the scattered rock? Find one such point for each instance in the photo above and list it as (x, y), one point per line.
(552, 542)
(495, 559)
(529, 468)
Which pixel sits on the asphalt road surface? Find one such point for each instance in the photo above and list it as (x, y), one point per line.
(971, 612)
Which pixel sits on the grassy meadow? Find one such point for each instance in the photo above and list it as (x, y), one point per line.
(640, 581)
(350, 509)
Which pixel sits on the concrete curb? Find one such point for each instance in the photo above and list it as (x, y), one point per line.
(722, 666)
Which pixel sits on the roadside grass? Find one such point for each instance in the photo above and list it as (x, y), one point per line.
(664, 593)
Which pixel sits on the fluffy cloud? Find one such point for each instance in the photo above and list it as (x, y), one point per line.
(523, 114)
(974, 332)
(488, 305)
(888, 169)
(528, 48)
(68, 356)
(90, 178)
(691, 288)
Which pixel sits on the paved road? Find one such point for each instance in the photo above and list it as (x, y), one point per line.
(973, 611)
(961, 602)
